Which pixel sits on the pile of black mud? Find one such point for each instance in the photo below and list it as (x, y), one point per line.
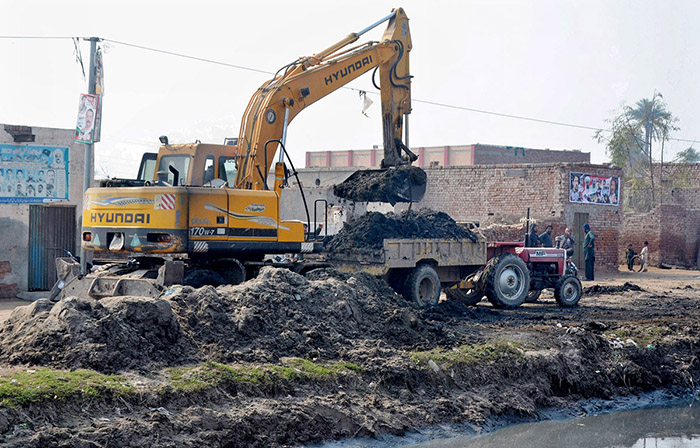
(368, 232)
(109, 335)
(601, 289)
(391, 185)
(280, 313)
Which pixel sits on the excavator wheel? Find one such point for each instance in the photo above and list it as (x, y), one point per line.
(231, 271)
(200, 277)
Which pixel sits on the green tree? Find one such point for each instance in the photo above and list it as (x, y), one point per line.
(634, 133)
(690, 155)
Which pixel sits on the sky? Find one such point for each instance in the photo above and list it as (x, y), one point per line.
(562, 61)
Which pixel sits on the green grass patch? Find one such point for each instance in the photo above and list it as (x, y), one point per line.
(292, 370)
(44, 385)
(469, 354)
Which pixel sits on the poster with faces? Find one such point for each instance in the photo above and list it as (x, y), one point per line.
(587, 188)
(33, 174)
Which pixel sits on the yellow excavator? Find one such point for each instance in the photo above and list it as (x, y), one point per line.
(214, 206)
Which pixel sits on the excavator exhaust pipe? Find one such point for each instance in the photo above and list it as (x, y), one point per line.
(392, 185)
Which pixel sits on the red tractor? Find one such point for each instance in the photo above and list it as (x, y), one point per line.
(515, 274)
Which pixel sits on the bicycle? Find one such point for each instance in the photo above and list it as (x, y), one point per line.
(637, 263)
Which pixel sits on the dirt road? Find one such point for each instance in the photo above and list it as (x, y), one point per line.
(287, 360)
(7, 306)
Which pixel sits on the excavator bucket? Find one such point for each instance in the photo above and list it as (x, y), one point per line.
(392, 185)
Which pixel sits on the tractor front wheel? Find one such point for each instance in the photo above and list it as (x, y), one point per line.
(568, 291)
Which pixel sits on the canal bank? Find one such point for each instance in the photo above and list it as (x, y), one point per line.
(287, 360)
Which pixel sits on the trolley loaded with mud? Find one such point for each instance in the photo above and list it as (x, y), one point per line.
(506, 273)
(423, 253)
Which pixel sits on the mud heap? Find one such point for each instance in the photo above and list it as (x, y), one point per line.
(368, 232)
(404, 184)
(328, 315)
(109, 335)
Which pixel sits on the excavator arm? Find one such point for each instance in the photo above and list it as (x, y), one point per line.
(309, 79)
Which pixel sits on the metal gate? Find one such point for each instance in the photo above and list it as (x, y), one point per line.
(51, 230)
(579, 220)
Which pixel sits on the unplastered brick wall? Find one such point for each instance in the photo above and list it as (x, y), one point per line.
(673, 233)
(680, 232)
(684, 173)
(490, 155)
(494, 193)
(687, 197)
(640, 227)
(501, 194)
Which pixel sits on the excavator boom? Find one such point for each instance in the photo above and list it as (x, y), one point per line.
(309, 79)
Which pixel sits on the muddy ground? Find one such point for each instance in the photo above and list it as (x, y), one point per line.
(410, 368)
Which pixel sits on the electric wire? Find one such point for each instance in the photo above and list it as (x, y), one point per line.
(433, 103)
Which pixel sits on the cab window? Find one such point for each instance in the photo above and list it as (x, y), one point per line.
(178, 175)
(208, 169)
(227, 170)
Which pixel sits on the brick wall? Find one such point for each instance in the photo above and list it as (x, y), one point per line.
(673, 232)
(687, 174)
(501, 195)
(687, 197)
(491, 155)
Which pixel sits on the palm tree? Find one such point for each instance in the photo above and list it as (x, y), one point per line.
(652, 116)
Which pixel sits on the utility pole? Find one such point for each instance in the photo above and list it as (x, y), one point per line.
(89, 147)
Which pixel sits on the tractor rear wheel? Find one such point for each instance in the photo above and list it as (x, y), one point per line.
(507, 281)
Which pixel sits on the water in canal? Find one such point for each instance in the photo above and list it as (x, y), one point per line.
(676, 427)
(647, 428)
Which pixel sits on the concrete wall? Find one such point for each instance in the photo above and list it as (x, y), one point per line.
(14, 218)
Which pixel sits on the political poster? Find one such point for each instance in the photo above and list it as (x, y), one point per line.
(33, 174)
(87, 113)
(593, 189)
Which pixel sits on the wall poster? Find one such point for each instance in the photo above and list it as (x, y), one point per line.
(33, 174)
(592, 189)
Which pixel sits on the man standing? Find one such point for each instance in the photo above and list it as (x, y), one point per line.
(532, 239)
(644, 255)
(567, 242)
(546, 237)
(589, 251)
